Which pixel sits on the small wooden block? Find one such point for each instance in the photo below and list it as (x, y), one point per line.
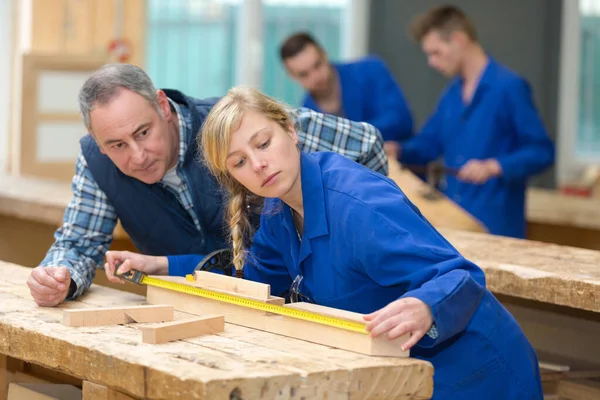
(235, 285)
(183, 329)
(118, 315)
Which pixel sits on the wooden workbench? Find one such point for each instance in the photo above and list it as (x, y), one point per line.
(553, 217)
(256, 364)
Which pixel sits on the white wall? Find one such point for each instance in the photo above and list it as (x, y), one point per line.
(6, 49)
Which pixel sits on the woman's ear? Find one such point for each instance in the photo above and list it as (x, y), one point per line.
(292, 132)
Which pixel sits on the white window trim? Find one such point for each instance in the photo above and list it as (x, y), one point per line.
(569, 164)
(6, 57)
(250, 48)
(355, 31)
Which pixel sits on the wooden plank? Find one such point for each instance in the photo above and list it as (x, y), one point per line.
(183, 329)
(579, 389)
(442, 212)
(291, 327)
(93, 391)
(210, 280)
(117, 315)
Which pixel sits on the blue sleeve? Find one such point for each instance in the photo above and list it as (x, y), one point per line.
(398, 247)
(535, 150)
(264, 262)
(389, 111)
(427, 145)
(182, 265)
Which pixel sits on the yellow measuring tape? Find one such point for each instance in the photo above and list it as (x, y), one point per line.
(255, 304)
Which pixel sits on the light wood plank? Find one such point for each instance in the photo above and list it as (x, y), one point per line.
(183, 329)
(211, 280)
(43, 391)
(117, 315)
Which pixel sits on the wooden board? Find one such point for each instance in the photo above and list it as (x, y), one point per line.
(210, 280)
(117, 315)
(441, 212)
(183, 329)
(256, 364)
(548, 273)
(292, 327)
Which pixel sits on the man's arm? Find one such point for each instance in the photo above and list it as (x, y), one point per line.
(358, 141)
(535, 150)
(389, 110)
(86, 233)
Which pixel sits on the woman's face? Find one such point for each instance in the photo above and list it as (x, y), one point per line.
(263, 157)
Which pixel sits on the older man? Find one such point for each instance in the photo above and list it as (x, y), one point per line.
(139, 164)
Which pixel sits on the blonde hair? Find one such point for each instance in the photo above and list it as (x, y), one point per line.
(213, 142)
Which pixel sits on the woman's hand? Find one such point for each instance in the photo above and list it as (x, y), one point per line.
(126, 260)
(406, 315)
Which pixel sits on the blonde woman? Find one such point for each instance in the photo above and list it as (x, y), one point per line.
(337, 234)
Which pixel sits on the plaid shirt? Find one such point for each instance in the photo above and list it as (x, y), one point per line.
(90, 219)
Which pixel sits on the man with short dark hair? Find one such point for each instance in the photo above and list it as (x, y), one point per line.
(139, 165)
(485, 126)
(363, 90)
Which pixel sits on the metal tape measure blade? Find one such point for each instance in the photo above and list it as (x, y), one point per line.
(258, 305)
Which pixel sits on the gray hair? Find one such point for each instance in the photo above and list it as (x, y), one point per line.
(106, 83)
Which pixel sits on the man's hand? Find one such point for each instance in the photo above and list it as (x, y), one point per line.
(392, 149)
(406, 315)
(479, 171)
(126, 260)
(49, 286)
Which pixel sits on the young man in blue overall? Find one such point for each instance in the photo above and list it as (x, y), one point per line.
(485, 126)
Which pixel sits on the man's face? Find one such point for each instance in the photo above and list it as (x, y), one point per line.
(443, 54)
(310, 68)
(136, 136)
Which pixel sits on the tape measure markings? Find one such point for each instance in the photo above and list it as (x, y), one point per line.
(258, 305)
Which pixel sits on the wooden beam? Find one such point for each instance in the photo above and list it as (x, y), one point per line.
(93, 391)
(287, 326)
(211, 280)
(117, 315)
(183, 329)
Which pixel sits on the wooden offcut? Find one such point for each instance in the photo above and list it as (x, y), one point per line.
(117, 315)
(238, 286)
(282, 325)
(183, 329)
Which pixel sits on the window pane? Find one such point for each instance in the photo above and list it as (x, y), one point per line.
(190, 45)
(588, 136)
(323, 19)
